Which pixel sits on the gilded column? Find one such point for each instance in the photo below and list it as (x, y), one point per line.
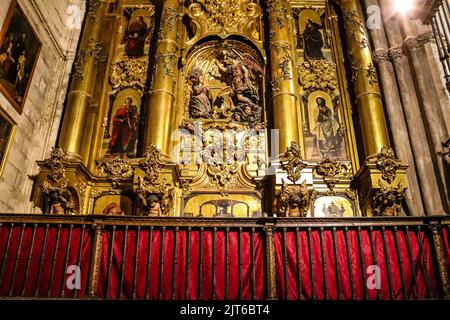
(364, 75)
(284, 98)
(162, 96)
(381, 181)
(73, 137)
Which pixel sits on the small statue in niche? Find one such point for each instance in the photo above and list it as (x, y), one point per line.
(313, 40)
(151, 204)
(295, 200)
(327, 130)
(113, 209)
(240, 74)
(59, 198)
(200, 103)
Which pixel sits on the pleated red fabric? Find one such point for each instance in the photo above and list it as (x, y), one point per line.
(41, 270)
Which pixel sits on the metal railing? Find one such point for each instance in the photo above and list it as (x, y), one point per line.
(203, 259)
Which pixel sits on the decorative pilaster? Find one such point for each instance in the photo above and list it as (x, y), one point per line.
(162, 96)
(284, 99)
(75, 138)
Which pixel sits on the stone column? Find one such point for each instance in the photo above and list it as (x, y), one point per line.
(162, 96)
(284, 98)
(395, 114)
(73, 137)
(434, 118)
(418, 137)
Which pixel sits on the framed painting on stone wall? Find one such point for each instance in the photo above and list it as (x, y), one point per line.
(7, 127)
(19, 52)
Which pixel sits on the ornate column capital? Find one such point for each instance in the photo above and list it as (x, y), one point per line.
(410, 45)
(380, 55)
(395, 53)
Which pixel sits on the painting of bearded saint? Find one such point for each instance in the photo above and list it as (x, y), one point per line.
(124, 130)
(327, 130)
(136, 36)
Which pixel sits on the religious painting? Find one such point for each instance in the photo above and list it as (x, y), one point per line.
(333, 207)
(6, 133)
(136, 29)
(113, 205)
(224, 82)
(19, 52)
(122, 131)
(236, 206)
(324, 134)
(310, 33)
(327, 127)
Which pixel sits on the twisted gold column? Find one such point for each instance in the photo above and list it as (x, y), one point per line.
(162, 97)
(368, 98)
(73, 135)
(284, 98)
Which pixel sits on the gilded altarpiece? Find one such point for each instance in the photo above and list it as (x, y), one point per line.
(227, 108)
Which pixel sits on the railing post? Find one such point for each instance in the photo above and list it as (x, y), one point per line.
(270, 262)
(95, 259)
(440, 258)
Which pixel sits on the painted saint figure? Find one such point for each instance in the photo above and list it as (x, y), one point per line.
(200, 103)
(136, 36)
(313, 40)
(125, 129)
(327, 130)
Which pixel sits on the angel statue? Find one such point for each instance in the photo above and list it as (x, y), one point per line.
(241, 74)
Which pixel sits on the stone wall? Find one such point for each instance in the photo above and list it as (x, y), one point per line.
(56, 23)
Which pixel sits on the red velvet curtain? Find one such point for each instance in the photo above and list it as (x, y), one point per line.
(18, 255)
(167, 279)
(406, 271)
(350, 276)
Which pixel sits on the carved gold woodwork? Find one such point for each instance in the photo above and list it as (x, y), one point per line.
(317, 75)
(75, 136)
(381, 183)
(292, 162)
(295, 200)
(332, 172)
(225, 17)
(248, 63)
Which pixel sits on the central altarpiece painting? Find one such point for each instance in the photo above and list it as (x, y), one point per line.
(225, 108)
